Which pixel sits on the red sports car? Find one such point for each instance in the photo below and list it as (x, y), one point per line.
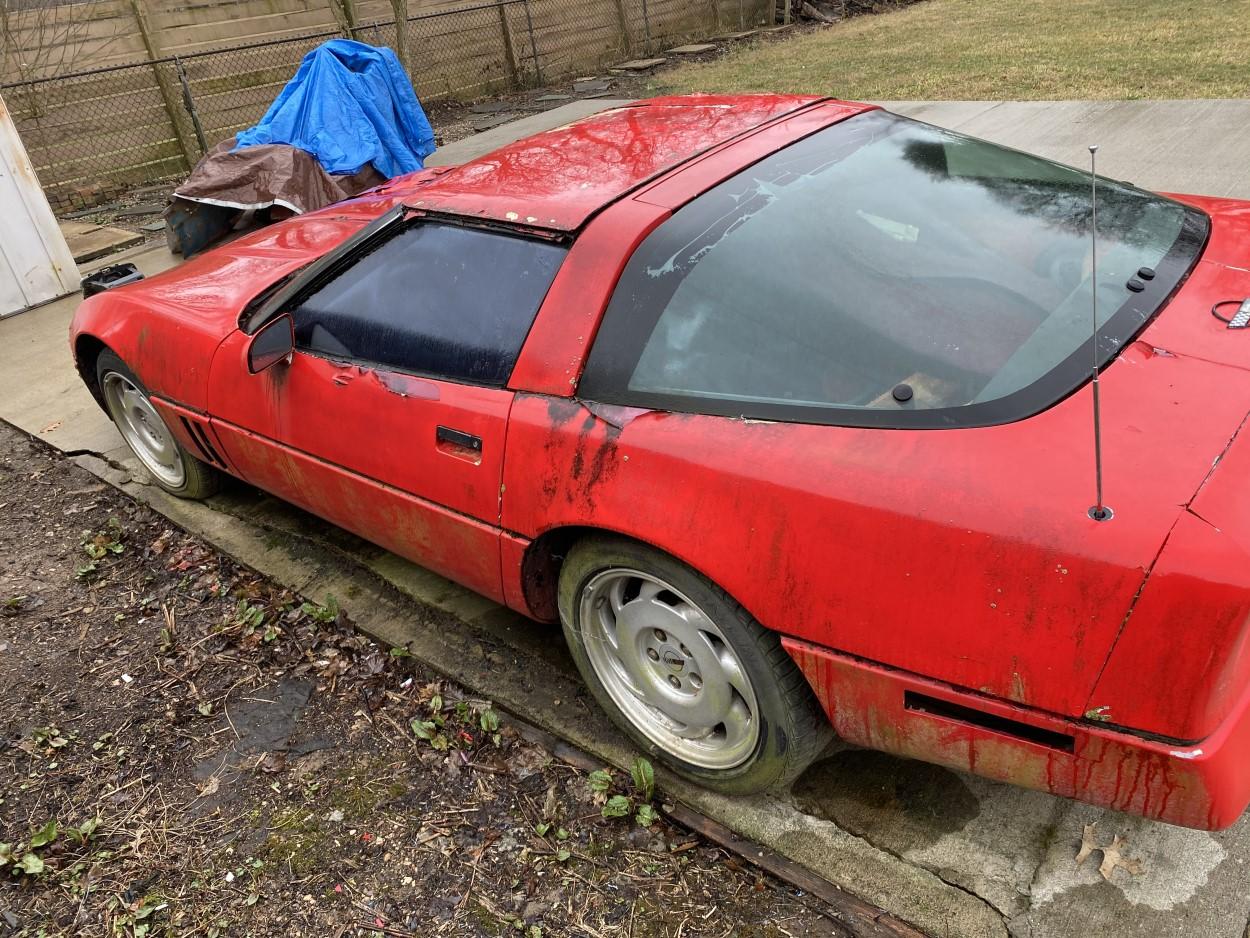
(782, 405)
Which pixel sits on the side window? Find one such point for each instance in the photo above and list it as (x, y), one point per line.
(433, 299)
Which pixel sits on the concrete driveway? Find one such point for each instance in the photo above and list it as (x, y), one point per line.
(954, 854)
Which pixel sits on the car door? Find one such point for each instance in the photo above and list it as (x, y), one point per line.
(389, 418)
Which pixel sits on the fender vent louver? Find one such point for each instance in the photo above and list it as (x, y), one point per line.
(922, 703)
(200, 439)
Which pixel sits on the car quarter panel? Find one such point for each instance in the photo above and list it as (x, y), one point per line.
(1184, 656)
(965, 555)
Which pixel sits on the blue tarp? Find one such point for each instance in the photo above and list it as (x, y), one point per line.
(349, 104)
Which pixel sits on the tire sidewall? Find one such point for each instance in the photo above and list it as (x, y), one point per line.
(108, 361)
(749, 641)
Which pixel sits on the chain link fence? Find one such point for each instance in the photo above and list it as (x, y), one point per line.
(95, 134)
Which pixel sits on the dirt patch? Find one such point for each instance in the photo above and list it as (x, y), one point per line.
(189, 749)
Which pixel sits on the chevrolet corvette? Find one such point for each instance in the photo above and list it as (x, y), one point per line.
(782, 406)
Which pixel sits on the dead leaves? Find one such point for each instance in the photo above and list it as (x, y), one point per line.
(525, 760)
(1111, 856)
(311, 763)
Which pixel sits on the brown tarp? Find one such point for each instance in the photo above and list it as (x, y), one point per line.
(267, 175)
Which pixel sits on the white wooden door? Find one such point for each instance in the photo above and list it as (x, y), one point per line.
(35, 263)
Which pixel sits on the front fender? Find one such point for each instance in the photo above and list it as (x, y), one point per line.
(169, 354)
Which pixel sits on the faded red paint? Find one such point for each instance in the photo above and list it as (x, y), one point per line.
(458, 547)
(1196, 786)
(955, 563)
(560, 178)
(193, 307)
(861, 529)
(333, 437)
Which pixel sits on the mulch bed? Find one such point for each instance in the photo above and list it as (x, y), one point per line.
(187, 748)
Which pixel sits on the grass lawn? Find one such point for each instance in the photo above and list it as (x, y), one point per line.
(1001, 49)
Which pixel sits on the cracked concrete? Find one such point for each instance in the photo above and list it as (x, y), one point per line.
(948, 823)
(954, 854)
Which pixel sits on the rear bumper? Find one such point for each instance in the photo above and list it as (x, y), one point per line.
(1204, 785)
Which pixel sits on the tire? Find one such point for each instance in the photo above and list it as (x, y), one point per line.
(167, 461)
(613, 593)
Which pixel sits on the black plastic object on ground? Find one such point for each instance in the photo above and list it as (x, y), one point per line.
(110, 277)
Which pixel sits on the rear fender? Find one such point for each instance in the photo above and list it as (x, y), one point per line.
(1181, 661)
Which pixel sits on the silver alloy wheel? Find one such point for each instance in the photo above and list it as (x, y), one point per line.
(669, 668)
(143, 429)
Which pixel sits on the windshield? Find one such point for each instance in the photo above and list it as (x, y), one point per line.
(892, 272)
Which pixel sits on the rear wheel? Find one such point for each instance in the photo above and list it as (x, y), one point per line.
(141, 426)
(684, 670)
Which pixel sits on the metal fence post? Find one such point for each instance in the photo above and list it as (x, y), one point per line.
(646, 25)
(400, 9)
(344, 12)
(508, 56)
(529, 24)
(188, 102)
(623, 20)
(151, 42)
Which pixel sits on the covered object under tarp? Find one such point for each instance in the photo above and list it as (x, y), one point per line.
(349, 120)
(350, 104)
(273, 174)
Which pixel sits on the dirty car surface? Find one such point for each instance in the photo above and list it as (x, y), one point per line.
(781, 405)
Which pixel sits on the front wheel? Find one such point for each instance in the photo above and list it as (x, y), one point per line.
(685, 671)
(166, 460)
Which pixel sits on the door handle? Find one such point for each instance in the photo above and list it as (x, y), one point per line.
(458, 443)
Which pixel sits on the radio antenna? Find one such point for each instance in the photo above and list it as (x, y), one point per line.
(1099, 511)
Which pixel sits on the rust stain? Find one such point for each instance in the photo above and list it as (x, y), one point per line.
(560, 410)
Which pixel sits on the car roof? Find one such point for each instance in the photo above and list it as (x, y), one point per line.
(559, 178)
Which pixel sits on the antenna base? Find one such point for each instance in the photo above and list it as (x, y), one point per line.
(1101, 513)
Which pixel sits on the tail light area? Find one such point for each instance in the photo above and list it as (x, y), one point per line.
(1205, 785)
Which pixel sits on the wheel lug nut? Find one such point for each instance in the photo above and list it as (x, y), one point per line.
(672, 679)
(685, 651)
(660, 636)
(695, 681)
(653, 654)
